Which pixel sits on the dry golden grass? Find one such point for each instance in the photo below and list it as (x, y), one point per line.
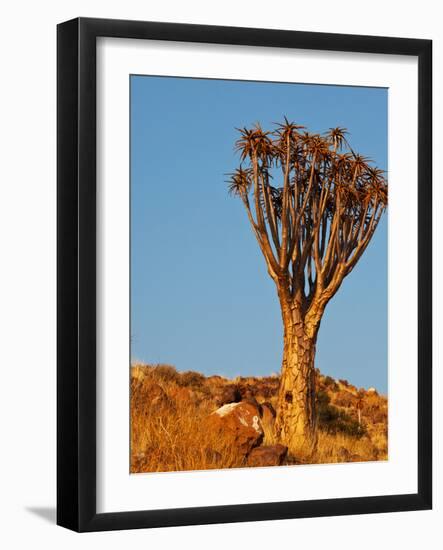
(168, 432)
(334, 448)
(169, 411)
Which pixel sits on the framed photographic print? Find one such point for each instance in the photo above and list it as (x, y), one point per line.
(244, 274)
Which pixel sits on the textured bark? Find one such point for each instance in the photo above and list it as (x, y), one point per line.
(296, 422)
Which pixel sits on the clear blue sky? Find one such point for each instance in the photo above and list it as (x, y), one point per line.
(201, 298)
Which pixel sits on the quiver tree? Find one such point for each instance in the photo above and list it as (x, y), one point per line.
(313, 205)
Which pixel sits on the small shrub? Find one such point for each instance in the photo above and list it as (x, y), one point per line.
(191, 378)
(268, 391)
(332, 420)
(167, 373)
(323, 399)
(349, 426)
(205, 392)
(344, 399)
(329, 382)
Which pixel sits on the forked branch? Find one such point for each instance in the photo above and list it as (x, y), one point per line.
(312, 228)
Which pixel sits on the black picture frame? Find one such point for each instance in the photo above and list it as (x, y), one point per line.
(76, 279)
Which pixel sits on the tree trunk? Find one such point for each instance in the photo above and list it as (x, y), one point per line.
(296, 423)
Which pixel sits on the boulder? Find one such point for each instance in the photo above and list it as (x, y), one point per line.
(237, 425)
(269, 455)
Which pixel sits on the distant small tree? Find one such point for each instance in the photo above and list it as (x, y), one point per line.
(312, 227)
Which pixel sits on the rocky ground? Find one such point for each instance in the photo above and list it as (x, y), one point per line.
(186, 421)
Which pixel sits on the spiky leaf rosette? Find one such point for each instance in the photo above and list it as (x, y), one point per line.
(313, 204)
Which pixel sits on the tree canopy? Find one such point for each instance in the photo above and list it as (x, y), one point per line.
(313, 204)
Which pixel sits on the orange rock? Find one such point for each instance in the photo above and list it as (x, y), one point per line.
(269, 455)
(238, 424)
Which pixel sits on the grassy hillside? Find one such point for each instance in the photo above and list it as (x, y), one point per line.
(170, 412)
